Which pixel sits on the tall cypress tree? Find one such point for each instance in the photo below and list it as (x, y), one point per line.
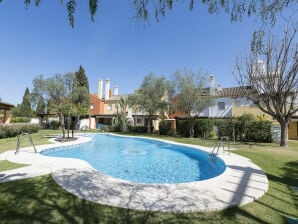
(80, 90)
(26, 104)
(81, 79)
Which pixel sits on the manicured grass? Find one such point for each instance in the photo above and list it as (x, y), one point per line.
(42, 137)
(6, 165)
(41, 200)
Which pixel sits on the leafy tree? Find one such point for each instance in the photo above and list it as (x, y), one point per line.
(152, 96)
(270, 75)
(120, 120)
(55, 91)
(145, 9)
(40, 109)
(190, 94)
(64, 95)
(265, 10)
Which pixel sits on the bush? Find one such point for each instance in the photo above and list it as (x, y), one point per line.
(54, 125)
(242, 126)
(247, 128)
(116, 128)
(137, 129)
(183, 128)
(20, 120)
(12, 130)
(203, 128)
(51, 125)
(260, 131)
(224, 128)
(164, 127)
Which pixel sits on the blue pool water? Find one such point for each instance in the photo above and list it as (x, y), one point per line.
(143, 160)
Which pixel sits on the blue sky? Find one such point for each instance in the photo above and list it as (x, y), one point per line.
(39, 40)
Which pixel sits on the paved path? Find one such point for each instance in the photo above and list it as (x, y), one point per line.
(241, 183)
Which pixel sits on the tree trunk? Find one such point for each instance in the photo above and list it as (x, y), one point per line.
(191, 128)
(68, 125)
(62, 124)
(284, 133)
(149, 125)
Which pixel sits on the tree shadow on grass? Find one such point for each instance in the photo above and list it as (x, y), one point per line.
(41, 200)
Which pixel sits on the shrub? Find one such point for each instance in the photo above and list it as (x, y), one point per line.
(54, 125)
(203, 128)
(12, 130)
(260, 131)
(183, 128)
(242, 126)
(247, 128)
(20, 120)
(224, 128)
(137, 129)
(116, 128)
(164, 127)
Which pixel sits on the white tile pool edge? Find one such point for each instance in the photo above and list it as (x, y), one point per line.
(241, 183)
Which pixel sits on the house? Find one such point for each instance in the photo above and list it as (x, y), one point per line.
(105, 107)
(5, 112)
(233, 102)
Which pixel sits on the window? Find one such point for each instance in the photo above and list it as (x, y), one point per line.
(221, 105)
(109, 106)
(91, 106)
(139, 121)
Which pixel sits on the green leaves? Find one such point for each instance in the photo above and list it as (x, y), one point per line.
(92, 8)
(71, 8)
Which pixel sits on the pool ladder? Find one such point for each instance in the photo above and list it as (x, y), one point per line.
(19, 142)
(220, 143)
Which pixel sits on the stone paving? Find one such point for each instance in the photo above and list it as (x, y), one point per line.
(241, 183)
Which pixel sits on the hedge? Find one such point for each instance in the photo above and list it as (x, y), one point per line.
(14, 129)
(51, 125)
(183, 128)
(248, 130)
(203, 128)
(164, 127)
(20, 120)
(137, 129)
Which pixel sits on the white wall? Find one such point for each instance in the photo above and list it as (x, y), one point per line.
(213, 111)
(34, 121)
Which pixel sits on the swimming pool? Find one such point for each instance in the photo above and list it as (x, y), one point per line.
(143, 160)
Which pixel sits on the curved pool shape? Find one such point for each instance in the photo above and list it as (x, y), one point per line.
(144, 160)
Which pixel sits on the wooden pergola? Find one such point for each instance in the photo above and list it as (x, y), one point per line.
(5, 107)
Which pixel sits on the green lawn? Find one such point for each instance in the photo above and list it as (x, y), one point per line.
(6, 165)
(41, 200)
(39, 138)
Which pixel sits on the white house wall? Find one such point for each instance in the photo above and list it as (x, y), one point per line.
(214, 111)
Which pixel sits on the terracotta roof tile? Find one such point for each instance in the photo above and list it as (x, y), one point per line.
(233, 92)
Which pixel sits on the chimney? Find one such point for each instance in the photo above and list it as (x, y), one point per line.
(99, 93)
(212, 85)
(116, 91)
(107, 93)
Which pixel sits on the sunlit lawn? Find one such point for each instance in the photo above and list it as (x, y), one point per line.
(41, 200)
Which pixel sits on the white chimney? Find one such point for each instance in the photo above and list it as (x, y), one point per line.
(107, 93)
(99, 93)
(116, 91)
(212, 85)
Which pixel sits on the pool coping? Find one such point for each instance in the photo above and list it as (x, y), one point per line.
(242, 182)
